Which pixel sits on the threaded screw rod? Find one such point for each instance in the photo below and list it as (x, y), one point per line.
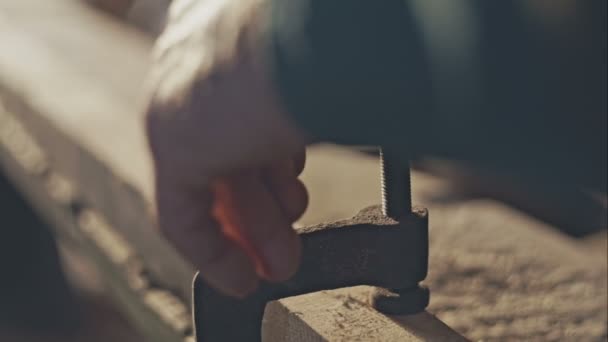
(396, 185)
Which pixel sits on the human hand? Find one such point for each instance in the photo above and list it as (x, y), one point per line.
(226, 155)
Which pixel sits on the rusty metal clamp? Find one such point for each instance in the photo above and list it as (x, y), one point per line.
(386, 247)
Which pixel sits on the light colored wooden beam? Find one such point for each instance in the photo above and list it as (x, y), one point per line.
(73, 76)
(157, 313)
(345, 315)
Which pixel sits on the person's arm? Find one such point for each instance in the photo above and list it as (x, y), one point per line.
(352, 72)
(239, 87)
(515, 86)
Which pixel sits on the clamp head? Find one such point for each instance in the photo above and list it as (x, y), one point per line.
(368, 249)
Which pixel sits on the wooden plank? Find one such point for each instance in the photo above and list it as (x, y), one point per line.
(345, 315)
(155, 311)
(85, 82)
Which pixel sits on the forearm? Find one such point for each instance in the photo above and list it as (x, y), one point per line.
(342, 71)
(512, 84)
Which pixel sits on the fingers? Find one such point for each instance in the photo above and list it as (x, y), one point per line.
(299, 162)
(292, 197)
(185, 218)
(247, 208)
(289, 191)
(239, 229)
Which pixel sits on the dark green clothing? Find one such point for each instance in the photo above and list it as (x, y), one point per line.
(494, 83)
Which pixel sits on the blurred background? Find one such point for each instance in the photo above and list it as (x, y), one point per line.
(78, 261)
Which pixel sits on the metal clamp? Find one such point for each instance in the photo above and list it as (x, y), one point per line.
(384, 247)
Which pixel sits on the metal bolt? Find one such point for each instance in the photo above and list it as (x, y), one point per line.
(396, 204)
(396, 185)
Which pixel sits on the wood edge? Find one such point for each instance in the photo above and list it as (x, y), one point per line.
(157, 312)
(121, 205)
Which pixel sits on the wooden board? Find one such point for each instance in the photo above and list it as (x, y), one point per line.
(81, 72)
(345, 315)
